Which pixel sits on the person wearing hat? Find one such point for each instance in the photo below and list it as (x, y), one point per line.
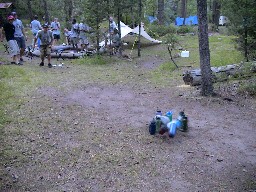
(19, 34)
(13, 48)
(46, 38)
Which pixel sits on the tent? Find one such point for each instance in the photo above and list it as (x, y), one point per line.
(191, 20)
(151, 19)
(125, 30)
(144, 34)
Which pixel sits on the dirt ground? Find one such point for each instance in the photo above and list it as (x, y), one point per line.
(81, 135)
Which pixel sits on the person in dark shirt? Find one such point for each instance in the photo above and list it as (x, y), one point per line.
(13, 48)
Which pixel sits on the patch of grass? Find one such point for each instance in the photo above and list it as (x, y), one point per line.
(222, 51)
(249, 89)
(95, 60)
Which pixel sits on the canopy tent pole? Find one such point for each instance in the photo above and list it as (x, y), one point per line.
(140, 12)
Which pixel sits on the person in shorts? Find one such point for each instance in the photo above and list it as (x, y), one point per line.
(19, 34)
(46, 38)
(74, 36)
(35, 27)
(55, 27)
(67, 34)
(13, 48)
(83, 29)
(116, 41)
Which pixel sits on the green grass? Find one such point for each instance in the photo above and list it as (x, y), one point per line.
(222, 51)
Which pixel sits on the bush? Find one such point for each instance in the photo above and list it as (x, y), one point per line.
(185, 29)
(248, 88)
(160, 30)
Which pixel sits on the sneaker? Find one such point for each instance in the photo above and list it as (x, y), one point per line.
(20, 63)
(50, 65)
(41, 64)
(21, 59)
(13, 62)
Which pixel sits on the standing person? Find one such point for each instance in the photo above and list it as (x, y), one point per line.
(116, 42)
(46, 38)
(74, 36)
(67, 34)
(35, 27)
(55, 26)
(83, 29)
(19, 34)
(8, 31)
(112, 25)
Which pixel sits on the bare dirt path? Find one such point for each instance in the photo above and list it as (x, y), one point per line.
(80, 134)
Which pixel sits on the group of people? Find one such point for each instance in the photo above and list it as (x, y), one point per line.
(77, 34)
(49, 37)
(46, 36)
(13, 30)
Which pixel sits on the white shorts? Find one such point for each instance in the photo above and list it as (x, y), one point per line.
(13, 47)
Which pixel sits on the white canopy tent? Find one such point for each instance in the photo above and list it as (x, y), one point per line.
(125, 30)
(145, 34)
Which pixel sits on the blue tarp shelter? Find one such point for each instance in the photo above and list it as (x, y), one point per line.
(191, 20)
(151, 19)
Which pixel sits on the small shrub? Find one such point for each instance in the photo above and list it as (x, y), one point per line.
(185, 29)
(160, 30)
(248, 88)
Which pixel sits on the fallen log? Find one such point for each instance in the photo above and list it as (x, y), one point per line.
(64, 54)
(194, 77)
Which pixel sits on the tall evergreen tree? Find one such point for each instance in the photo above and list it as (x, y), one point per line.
(242, 16)
(160, 14)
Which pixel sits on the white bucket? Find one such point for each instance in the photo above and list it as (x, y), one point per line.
(184, 53)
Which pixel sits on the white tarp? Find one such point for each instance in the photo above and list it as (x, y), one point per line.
(125, 30)
(144, 34)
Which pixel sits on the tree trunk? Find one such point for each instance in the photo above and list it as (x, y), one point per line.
(140, 13)
(216, 13)
(46, 12)
(68, 9)
(30, 10)
(184, 10)
(160, 14)
(207, 84)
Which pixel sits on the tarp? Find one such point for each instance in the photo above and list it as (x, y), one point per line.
(191, 20)
(151, 19)
(5, 5)
(144, 34)
(125, 30)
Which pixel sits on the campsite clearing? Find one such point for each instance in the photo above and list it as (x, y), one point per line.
(84, 127)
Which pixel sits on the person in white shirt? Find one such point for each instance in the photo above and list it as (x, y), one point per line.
(19, 34)
(112, 25)
(55, 27)
(35, 27)
(74, 36)
(83, 29)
